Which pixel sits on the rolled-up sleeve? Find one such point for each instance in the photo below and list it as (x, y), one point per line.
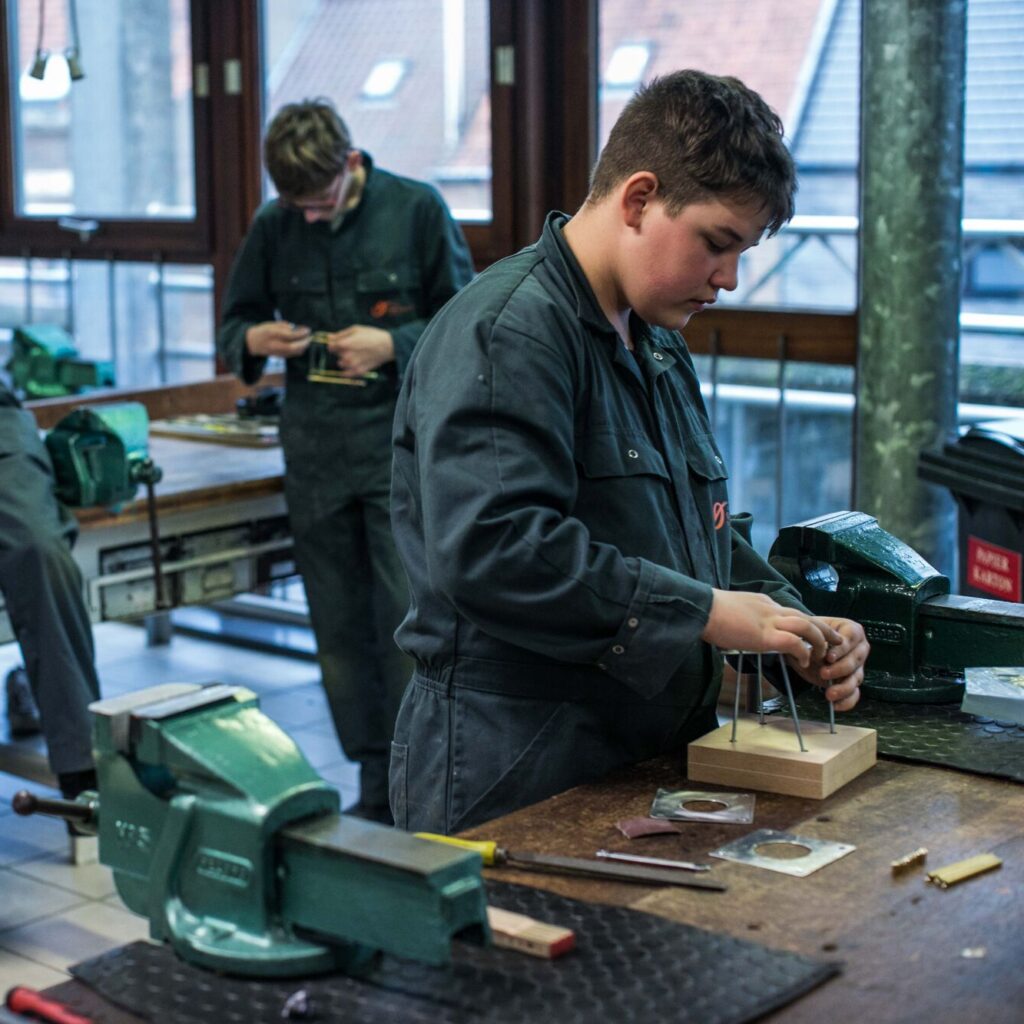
(498, 482)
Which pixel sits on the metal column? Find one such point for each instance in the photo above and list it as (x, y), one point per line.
(912, 140)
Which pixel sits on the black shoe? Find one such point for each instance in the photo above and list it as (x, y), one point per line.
(380, 813)
(22, 711)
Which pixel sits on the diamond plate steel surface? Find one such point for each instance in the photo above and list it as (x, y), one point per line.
(932, 734)
(627, 966)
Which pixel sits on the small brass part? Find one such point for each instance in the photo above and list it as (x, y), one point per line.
(321, 373)
(911, 860)
(951, 874)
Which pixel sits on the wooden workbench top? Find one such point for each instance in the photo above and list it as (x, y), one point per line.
(902, 941)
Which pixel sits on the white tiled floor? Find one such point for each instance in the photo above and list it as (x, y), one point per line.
(53, 913)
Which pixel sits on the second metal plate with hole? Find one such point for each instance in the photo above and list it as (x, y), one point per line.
(672, 804)
(750, 850)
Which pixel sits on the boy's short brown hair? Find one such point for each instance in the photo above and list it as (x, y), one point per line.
(305, 148)
(704, 137)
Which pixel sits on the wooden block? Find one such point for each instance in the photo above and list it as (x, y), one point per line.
(522, 933)
(767, 757)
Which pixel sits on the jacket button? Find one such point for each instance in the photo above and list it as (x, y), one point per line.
(618, 649)
(633, 623)
(658, 356)
(633, 453)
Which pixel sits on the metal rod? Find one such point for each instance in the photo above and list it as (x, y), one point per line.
(736, 702)
(792, 704)
(161, 323)
(69, 292)
(831, 716)
(780, 435)
(760, 690)
(714, 339)
(660, 862)
(112, 311)
(161, 601)
(28, 286)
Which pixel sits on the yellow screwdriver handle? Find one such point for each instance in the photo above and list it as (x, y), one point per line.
(486, 849)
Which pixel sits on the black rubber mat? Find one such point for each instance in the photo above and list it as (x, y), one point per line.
(939, 734)
(627, 966)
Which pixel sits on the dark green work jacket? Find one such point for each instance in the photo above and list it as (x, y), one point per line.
(391, 262)
(560, 507)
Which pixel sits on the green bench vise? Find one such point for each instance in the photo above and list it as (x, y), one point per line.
(100, 454)
(219, 831)
(45, 363)
(922, 637)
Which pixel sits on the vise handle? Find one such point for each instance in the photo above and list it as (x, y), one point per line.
(26, 803)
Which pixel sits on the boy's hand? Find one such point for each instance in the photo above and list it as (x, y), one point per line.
(841, 670)
(277, 338)
(754, 622)
(361, 349)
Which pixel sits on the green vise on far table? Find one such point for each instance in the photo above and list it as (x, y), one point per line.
(221, 834)
(100, 454)
(922, 637)
(45, 364)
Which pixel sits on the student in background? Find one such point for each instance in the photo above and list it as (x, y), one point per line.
(339, 277)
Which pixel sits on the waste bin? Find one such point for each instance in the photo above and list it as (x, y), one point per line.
(984, 470)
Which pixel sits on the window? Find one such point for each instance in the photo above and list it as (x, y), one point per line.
(410, 79)
(118, 142)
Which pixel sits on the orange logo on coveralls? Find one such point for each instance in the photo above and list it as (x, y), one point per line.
(382, 308)
(720, 513)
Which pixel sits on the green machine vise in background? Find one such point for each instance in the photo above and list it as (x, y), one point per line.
(45, 363)
(219, 832)
(922, 637)
(100, 454)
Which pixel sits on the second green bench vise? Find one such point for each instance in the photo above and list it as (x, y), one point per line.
(922, 636)
(45, 363)
(100, 454)
(219, 831)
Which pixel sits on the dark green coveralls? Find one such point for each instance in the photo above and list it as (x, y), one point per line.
(42, 590)
(561, 509)
(391, 262)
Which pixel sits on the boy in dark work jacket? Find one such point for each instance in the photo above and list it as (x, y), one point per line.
(558, 500)
(363, 258)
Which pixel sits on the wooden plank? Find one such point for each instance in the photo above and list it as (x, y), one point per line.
(756, 334)
(768, 757)
(527, 935)
(218, 394)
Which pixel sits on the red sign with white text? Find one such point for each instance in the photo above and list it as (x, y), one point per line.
(993, 569)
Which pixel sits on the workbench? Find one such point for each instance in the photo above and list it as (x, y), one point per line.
(902, 942)
(220, 511)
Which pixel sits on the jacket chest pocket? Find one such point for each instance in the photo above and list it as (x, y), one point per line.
(388, 295)
(605, 456)
(708, 477)
(623, 488)
(302, 296)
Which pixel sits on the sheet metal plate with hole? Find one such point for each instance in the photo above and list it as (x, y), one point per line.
(820, 852)
(670, 805)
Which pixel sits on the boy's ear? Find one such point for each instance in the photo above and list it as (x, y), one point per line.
(636, 192)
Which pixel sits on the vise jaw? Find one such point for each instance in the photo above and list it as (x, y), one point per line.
(922, 637)
(845, 564)
(219, 831)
